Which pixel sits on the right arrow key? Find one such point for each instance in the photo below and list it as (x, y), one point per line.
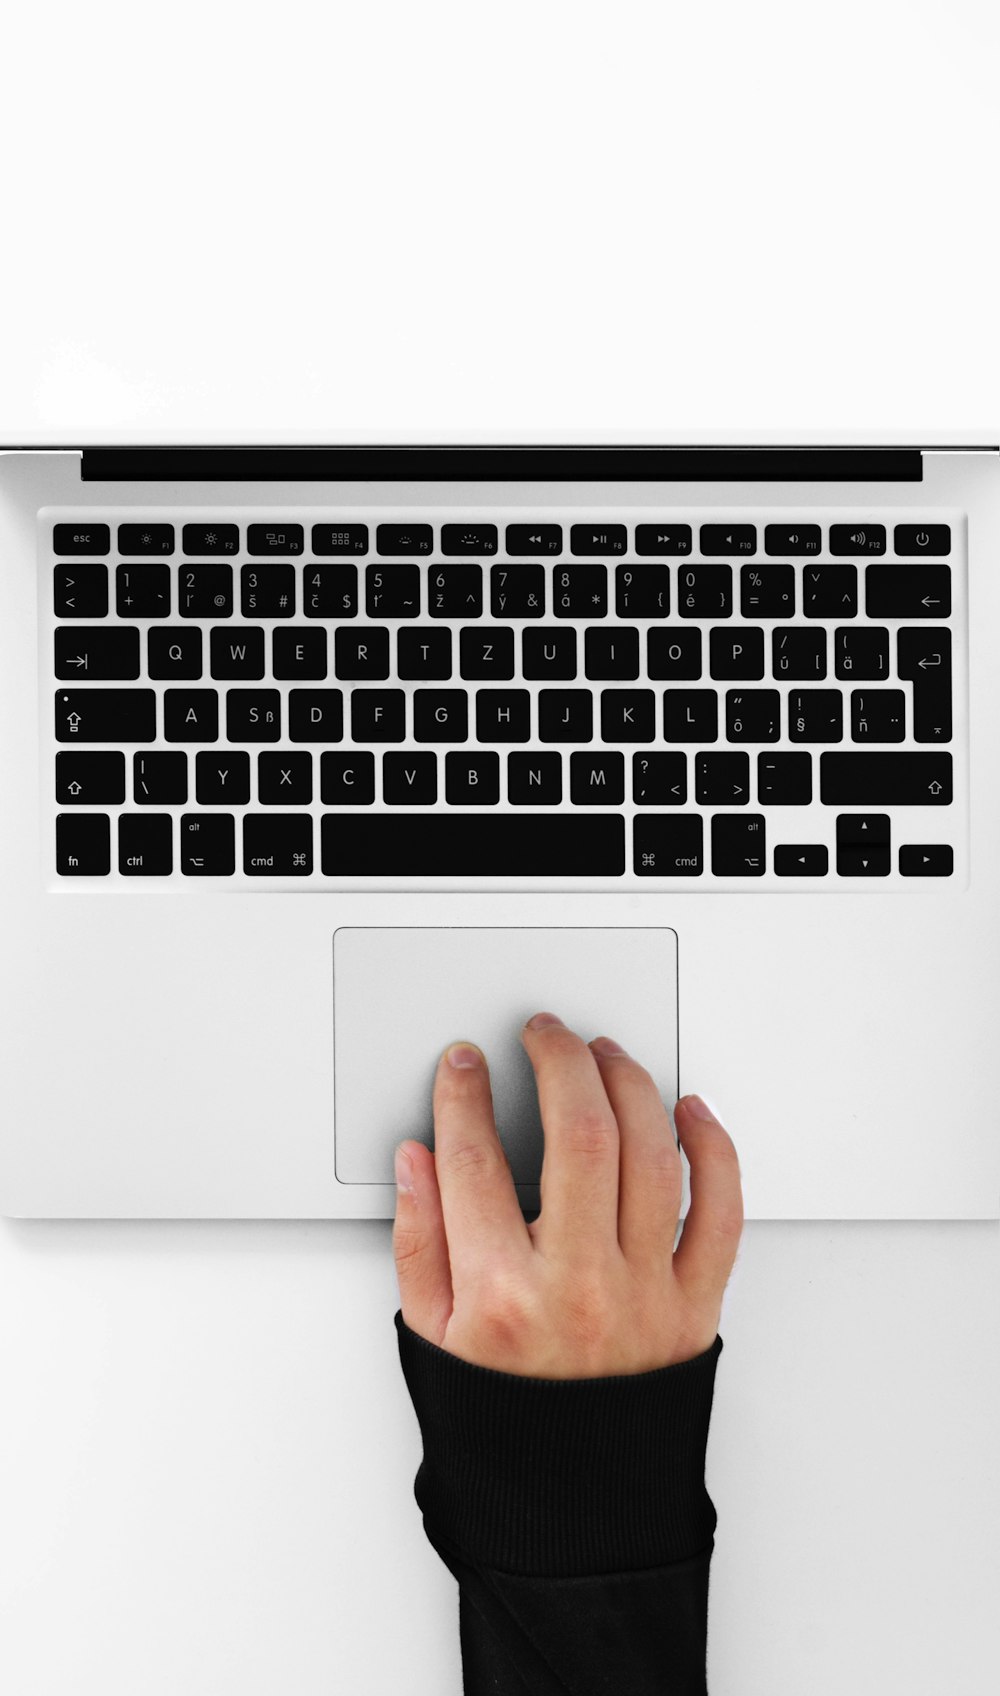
(926, 859)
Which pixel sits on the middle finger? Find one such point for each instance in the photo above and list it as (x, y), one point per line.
(580, 1163)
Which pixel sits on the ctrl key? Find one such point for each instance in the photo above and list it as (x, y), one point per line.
(83, 844)
(668, 847)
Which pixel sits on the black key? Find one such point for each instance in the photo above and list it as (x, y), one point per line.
(476, 540)
(548, 653)
(767, 591)
(799, 655)
(736, 653)
(674, 656)
(863, 845)
(222, 779)
(926, 859)
(517, 591)
(503, 715)
(858, 539)
(664, 540)
(267, 591)
(284, 779)
(264, 539)
(597, 780)
(101, 652)
(642, 591)
(425, 654)
(330, 591)
(105, 715)
(722, 780)
(896, 779)
(439, 715)
(801, 859)
(784, 780)
(315, 715)
(705, 591)
(922, 539)
(612, 654)
(739, 847)
(80, 591)
(628, 715)
(237, 651)
(792, 538)
(145, 539)
(562, 845)
(815, 715)
(404, 538)
(878, 715)
(861, 654)
(580, 591)
(485, 653)
(277, 844)
(471, 779)
(753, 715)
(455, 591)
(81, 539)
(89, 780)
(565, 715)
(83, 844)
(728, 539)
(598, 539)
(143, 591)
(160, 779)
(410, 779)
(361, 653)
(339, 539)
(378, 715)
(671, 846)
(145, 844)
(908, 591)
(392, 591)
(208, 844)
(524, 539)
(830, 591)
(299, 653)
(923, 657)
(205, 591)
(208, 539)
(690, 715)
(190, 715)
(535, 779)
(659, 780)
(174, 653)
(347, 778)
(253, 715)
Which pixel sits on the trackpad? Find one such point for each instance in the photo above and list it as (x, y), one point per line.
(402, 995)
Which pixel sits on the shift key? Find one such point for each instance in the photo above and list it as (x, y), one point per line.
(894, 779)
(105, 715)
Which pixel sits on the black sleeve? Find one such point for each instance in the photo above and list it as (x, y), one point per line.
(574, 1515)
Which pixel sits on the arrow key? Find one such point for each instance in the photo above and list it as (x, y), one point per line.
(801, 859)
(863, 847)
(926, 859)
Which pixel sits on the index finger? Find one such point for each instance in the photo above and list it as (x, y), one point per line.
(580, 1165)
(482, 1215)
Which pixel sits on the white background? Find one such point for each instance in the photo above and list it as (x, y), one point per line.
(462, 223)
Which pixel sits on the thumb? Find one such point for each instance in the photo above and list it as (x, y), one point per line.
(420, 1244)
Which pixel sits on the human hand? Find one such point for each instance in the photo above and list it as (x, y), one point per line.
(593, 1286)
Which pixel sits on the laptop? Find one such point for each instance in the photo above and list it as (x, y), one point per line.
(317, 759)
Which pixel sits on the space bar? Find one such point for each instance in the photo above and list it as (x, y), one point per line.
(569, 845)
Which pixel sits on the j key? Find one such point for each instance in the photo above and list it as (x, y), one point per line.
(534, 780)
(597, 780)
(222, 779)
(565, 715)
(926, 859)
(659, 780)
(690, 715)
(792, 538)
(298, 653)
(799, 656)
(471, 779)
(423, 653)
(517, 591)
(486, 654)
(705, 591)
(315, 715)
(347, 778)
(145, 844)
(409, 780)
(642, 591)
(611, 654)
(665, 540)
(923, 657)
(830, 591)
(815, 715)
(378, 715)
(105, 715)
(784, 780)
(267, 591)
(857, 539)
(908, 591)
(208, 539)
(80, 591)
(253, 715)
(361, 653)
(736, 653)
(673, 656)
(525, 539)
(275, 539)
(439, 715)
(728, 539)
(83, 844)
(404, 538)
(339, 539)
(284, 779)
(330, 591)
(922, 538)
(767, 591)
(392, 591)
(598, 539)
(455, 591)
(470, 539)
(80, 539)
(896, 779)
(739, 848)
(143, 591)
(580, 591)
(237, 651)
(174, 653)
(89, 780)
(102, 652)
(145, 539)
(722, 780)
(628, 715)
(863, 845)
(668, 846)
(207, 844)
(160, 779)
(277, 844)
(561, 845)
(548, 653)
(190, 715)
(878, 715)
(753, 715)
(503, 715)
(205, 591)
(861, 655)
(801, 859)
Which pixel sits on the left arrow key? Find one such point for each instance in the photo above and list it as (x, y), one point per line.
(104, 652)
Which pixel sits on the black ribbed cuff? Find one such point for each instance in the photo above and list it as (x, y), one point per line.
(567, 1476)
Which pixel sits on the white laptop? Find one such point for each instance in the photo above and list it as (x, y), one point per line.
(315, 760)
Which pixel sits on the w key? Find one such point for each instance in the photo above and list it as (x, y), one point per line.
(102, 652)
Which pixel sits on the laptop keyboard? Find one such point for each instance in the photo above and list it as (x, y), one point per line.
(721, 702)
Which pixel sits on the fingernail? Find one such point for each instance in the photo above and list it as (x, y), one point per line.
(462, 1054)
(698, 1109)
(606, 1045)
(404, 1171)
(540, 1019)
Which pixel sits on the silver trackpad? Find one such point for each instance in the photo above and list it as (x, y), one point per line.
(402, 995)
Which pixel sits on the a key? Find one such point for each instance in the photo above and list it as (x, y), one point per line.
(347, 778)
(330, 591)
(145, 844)
(923, 658)
(739, 846)
(659, 779)
(277, 844)
(767, 591)
(857, 539)
(160, 779)
(237, 651)
(668, 845)
(628, 715)
(665, 539)
(564, 845)
(472, 540)
(799, 655)
(207, 844)
(392, 591)
(690, 715)
(77, 540)
(284, 780)
(142, 591)
(222, 779)
(267, 591)
(80, 591)
(525, 539)
(503, 715)
(815, 715)
(861, 654)
(209, 539)
(792, 538)
(611, 654)
(908, 591)
(424, 654)
(83, 844)
(598, 540)
(409, 779)
(145, 540)
(674, 656)
(830, 591)
(471, 779)
(205, 591)
(565, 715)
(897, 779)
(440, 715)
(878, 715)
(485, 653)
(455, 591)
(105, 715)
(103, 651)
(728, 539)
(517, 591)
(642, 591)
(90, 780)
(253, 715)
(580, 591)
(753, 715)
(339, 539)
(597, 780)
(264, 539)
(736, 653)
(926, 859)
(863, 845)
(722, 780)
(784, 780)
(395, 539)
(922, 539)
(174, 652)
(190, 715)
(298, 653)
(315, 715)
(361, 653)
(705, 591)
(548, 654)
(801, 859)
(378, 715)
